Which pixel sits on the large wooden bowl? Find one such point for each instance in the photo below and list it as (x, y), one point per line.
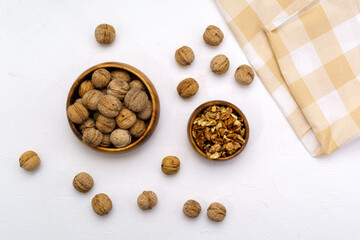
(73, 95)
(204, 106)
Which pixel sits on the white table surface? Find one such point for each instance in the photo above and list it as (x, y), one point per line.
(273, 190)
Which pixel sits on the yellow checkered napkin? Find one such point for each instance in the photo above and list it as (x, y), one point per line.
(307, 54)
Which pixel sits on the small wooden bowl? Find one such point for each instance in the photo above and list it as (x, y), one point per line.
(73, 95)
(218, 103)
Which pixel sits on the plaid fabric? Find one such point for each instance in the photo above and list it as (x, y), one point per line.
(307, 54)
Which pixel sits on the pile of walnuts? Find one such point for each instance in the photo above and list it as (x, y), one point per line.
(112, 110)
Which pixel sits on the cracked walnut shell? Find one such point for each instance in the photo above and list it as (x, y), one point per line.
(170, 165)
(101, 204)
(77, 113)
(192, 208)
(109, 106)
(83, 182)
(216, 212)
(244, 75)
(147, 200)
(187, 88)
(219, 64)
(105, 34)
(29, 160)
(213, 35)
(184, 56)
(100, 78)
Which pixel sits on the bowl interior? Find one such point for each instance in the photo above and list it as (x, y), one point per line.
(135, 74)
(204, 106)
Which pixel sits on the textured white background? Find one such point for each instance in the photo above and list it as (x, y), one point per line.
(273, 190)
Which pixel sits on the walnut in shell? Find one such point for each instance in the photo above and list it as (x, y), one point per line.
(83, 182)
(216, 212)
(105, 34)
(146, 113)
(90, 123)
(147, 200)
(213, 35)
(170, 165)
(100, 78)
(219, 64)
(137, 84)
(105, 124)
(126, 119)
(77, 113)
(121, 75)
(101, 204)
(91, 99)
(192, 208)
(92, 137)
(187, 88)
(136, 100)
(84, 87)
(244, 75)
(29, 160)
(118, 88)
(138, 129)
(184, 55)
(120, 138)
(106, 141)
(109, 106)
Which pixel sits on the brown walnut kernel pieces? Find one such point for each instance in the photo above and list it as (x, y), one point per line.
(84, 87)
(77, 113)
(136, 100)
(219, 64)
(92, 137)
(216, 212)
(121, 75)
(120, 138)
(29, 160)
(101, 204)
(192, 208)
(147, 200)
(170, 165)
(218, 131)
(109, 106)
(100, 78)
(91, 99)
(138, 129)
(187, 88)
(244, 75)
(126, 119)
(184, 56)
(105, 34)
(213, 35)
(105, 124)
(83, 182)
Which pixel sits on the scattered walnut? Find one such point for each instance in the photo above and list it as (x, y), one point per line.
(92, 137)
(138, 129)
(137, 84)
(170, 165)
(29, 160)
(184, 56)
(244, 74)
(219, 64)
(187, 88)
(192, 208)
(91, 99)
(100, 78)
(109, 106)
(83, 182)
(105, 34)
(146, 113)
(218, 131)
(106, 141)
(136, 100)
(90, 123)
(216, 212)
(121, 75)
(147, 200)
(105, 124)
(213, 35)
(84, 87)
(126, 119)
(101, 204)
(118, 88)
(77, 113)
(120, 138)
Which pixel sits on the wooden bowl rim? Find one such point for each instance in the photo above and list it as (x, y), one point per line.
(205, 105)
(143, 78)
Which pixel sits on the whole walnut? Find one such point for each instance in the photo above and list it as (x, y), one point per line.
(118, 88)
(219, 64)
(138, 129)
(136, 100)
(137, 84)
(101, 204)
(120, 138)
(147, 200)
(216, 212)
(91, 99)
(170, 165)
(79, 100)
(146, 113)
(105, 34)
(90, 123)
(184, 55)
(106, 141)
(104, 124)
(100, 78)
(213, 35)
(84, 87)
(29, 160)
(92, 137)
(244, 74)
(192, 208)
(187, 88)
(109, 106)
(121, 75)
(77, 113)
(126, 119)
(83, 182)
